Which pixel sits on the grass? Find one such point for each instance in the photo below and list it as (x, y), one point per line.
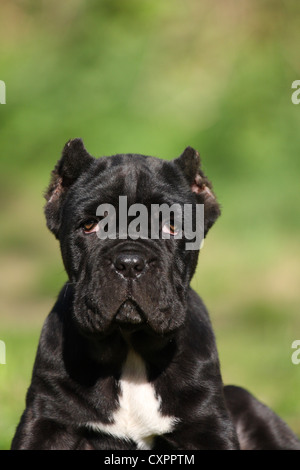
(15, 377)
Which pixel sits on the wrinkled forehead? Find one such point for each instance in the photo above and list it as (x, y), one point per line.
(141, 179)
(131, 175)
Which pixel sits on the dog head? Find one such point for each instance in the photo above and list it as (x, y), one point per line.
(122, 282)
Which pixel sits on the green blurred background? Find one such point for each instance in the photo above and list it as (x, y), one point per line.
(152, 77)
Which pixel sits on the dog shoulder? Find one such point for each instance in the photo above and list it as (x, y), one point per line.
(196, 307)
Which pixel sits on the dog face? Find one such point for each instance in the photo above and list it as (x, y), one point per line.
(125, 283)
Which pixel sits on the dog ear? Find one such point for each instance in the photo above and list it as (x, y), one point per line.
(189, 163)
(74, 161)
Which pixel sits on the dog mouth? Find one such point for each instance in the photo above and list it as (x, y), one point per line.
(129, 316)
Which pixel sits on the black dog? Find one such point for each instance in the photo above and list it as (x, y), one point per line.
(127, 357)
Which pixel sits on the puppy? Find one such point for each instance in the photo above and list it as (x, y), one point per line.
(127, 358)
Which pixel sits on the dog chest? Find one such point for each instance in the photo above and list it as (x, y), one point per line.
(138, 417)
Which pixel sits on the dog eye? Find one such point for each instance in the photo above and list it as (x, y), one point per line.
(90, 226)
(170, 228)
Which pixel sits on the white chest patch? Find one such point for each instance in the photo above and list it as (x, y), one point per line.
(138, 417)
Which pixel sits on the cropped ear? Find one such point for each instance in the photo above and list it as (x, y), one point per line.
(189, 163)
(74, 161)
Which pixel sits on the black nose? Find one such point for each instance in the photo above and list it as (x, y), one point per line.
(129, 264)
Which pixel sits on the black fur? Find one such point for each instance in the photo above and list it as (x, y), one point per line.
(100, 315)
